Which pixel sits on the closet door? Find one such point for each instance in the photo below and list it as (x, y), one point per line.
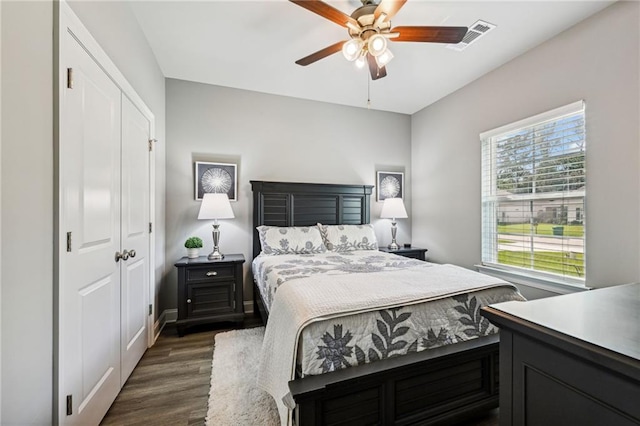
(135, 236)
(89, 287)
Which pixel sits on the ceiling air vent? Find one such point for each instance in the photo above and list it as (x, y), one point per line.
(477, 30)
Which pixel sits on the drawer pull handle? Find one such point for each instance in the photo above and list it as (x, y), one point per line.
(212, 273)
(188, 300)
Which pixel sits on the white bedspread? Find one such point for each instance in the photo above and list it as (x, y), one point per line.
(319, 297)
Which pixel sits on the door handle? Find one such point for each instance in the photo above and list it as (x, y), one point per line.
(132, 253)
(124, 256)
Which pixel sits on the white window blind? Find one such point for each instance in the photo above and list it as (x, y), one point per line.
(533, 195)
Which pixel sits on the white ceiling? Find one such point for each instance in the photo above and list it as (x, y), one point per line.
(253, 45)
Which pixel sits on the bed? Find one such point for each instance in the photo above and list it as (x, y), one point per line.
(452, 380)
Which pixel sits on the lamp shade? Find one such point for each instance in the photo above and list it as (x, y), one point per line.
(215, 206)
(393, 208)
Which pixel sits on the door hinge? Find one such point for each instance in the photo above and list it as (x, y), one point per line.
(69, 241)
(151, 141)
(69, 78)
(69, 405)
(150, 308)
(150, 227)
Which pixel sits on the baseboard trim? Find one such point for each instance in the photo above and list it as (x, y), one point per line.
(171, 315)
(167, 316)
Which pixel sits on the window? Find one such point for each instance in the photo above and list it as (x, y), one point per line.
(533, 195)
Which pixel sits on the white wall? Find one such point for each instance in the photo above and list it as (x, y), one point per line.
(270, 138)
(27, 213)
(115, 27)
(27, 185)
(597, 60)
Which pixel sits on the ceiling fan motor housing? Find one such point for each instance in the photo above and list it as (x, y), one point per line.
(366, 19)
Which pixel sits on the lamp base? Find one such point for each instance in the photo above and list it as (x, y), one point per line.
(215, 255)
(394, 229)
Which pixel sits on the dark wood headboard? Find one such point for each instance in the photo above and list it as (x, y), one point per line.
(304, 204)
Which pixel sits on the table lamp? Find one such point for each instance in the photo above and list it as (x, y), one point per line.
(393, 208)
(216, 206)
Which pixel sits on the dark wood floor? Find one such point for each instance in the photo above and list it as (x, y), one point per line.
(170, 385)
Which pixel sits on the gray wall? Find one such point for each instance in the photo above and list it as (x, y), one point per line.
(27, 186)
(597, 60)
(27, 212)
(270, 138)
(0, 210)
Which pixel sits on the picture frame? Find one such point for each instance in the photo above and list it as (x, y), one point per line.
(389, 185)
(216, 178)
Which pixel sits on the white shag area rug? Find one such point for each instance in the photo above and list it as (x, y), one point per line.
(234, 398)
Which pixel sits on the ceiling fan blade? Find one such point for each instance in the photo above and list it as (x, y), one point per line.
(450, 35)
(326, 11)
(320, 54)
(389, 8)
(375, 71)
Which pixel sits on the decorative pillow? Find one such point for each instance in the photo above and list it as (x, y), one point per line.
(341, 238)
(290, 240)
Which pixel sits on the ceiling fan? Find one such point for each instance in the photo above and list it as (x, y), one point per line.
(369, 28)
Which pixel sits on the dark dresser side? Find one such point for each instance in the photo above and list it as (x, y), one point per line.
(571, 359)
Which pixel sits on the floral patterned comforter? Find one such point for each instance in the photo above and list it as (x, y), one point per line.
(337, 343)
(269, 272)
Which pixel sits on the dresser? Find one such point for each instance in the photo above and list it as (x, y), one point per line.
(209, 290)
(571, 359)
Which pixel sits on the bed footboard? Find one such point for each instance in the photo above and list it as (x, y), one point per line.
(437, 386)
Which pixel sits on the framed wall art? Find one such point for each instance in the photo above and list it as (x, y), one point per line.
(390, 185)
(216, 178)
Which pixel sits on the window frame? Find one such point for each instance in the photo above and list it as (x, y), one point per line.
(490, 211)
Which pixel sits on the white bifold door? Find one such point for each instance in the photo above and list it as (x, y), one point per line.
(104, 237)
(134, 271)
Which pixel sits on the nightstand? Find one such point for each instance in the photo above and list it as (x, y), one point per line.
(209, 290)
(412, 252)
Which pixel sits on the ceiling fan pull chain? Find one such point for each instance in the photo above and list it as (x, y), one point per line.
(368, 91)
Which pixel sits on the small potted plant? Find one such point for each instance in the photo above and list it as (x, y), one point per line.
(193, 245)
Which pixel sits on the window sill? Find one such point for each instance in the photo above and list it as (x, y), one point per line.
(532, 281)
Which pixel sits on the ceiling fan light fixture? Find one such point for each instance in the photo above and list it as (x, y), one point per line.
(384, 58)
(361, 61)
(351, 49)
(377, 44)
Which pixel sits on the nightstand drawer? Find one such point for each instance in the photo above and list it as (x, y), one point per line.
(411, 252)
(211, 273)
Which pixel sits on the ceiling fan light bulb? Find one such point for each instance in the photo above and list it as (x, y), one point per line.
(377, 44)
(361, 62)
(351, 49)
(384, 58)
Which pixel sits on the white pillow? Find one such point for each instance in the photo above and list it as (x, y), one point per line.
(276, 240)
(342, 238)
